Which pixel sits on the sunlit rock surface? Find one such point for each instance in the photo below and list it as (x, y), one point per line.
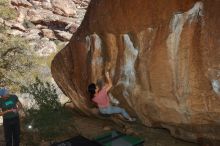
(164, 60)
(46, 25)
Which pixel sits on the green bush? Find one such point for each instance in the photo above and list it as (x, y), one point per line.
(49, 119)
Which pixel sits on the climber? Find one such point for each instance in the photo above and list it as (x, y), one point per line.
(99, 95)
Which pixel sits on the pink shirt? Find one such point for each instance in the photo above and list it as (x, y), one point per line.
(102, 98)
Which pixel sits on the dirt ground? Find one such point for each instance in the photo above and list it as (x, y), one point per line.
(92, 127)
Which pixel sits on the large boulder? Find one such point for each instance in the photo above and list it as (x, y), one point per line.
(163, 60)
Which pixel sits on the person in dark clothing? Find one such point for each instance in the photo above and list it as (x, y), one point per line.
(9, 106)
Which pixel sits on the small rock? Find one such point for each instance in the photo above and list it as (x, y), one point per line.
(129, 131)
(1, 20)
(48, 33)
(62, 35)
(46, 5)
(66, 8)
(15, 32)
(21, 3)
(107, 128)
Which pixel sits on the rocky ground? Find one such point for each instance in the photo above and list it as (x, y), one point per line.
(46, 23)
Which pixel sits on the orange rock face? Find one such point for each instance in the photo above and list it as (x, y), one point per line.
(164, 60)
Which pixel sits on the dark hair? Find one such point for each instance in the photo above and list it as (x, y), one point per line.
(91, 90)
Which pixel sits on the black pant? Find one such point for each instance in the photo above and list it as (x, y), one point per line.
(12, 131)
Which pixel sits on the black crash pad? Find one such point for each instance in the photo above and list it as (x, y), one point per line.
(77, 141)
